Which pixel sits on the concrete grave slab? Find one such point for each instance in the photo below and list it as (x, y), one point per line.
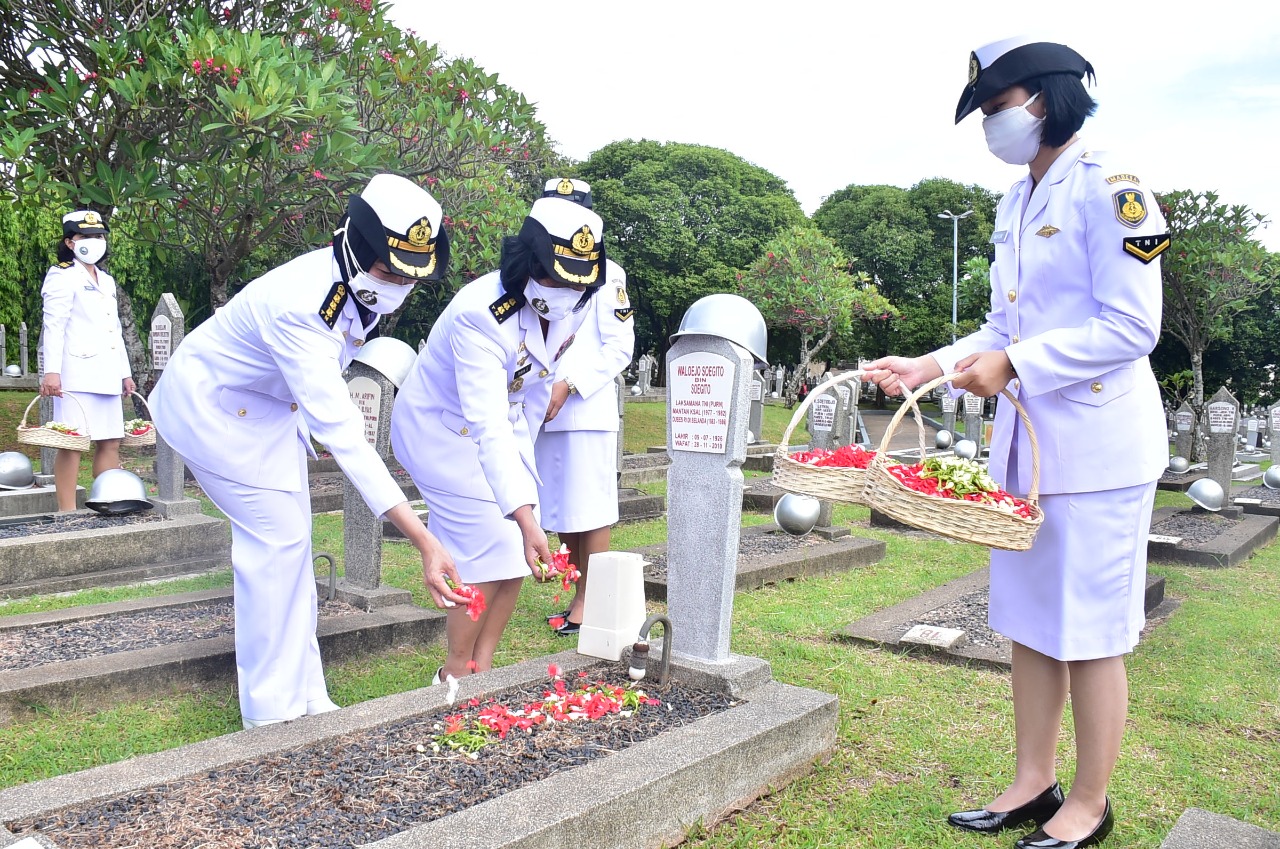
(891, 628)
(184, 666)
(1233, 546)
(753, 573)
(35, 499)
(647, 795)
(96, 557)
(1199, 829)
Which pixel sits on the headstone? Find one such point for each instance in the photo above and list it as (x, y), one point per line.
(822, 419)
(22, 349)
(756, 419)
(4, 352)
(373, 393)
(948, 404)
(47, 455)
(643, 365)
(170, 499)
(973, 418)
(1273, 427)
(779, 380)
(841, 433)
(707, 398)
(620, 389)
(1253, 434)
(1184, 423)
(1222, 413)
(161, 340)
(422, 343)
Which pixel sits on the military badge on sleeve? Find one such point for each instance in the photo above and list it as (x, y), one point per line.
(1131, 207)
(331, 306)
(1146, 248)
(503, 308)
(623, 315)
(622, 297)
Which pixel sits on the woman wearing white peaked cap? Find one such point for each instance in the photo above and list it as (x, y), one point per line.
(1075, 309)
(245, 393)
(466, 418)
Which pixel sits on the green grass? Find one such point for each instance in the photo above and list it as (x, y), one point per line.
(916, 739)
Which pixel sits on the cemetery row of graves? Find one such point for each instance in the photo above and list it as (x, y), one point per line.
(836, 687)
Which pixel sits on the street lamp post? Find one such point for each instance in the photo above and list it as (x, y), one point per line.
(955, 263)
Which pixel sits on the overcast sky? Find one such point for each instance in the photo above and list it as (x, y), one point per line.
(828, 94)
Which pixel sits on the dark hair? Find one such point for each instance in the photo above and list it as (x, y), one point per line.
(519, 264)
(1066, 105)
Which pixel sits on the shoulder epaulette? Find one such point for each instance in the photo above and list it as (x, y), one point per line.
(331, 306)
(504, 307)
(66, 264)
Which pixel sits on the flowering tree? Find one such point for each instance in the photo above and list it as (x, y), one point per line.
(1213, 271)
(803, 282)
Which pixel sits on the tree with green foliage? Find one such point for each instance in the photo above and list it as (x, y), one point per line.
(682, 220)
(895, 235)
(1214, 272)
(803, 282)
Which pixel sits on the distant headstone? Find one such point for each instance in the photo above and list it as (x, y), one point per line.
(422, 343)
(22, 349)
(822, 418)
(170, 500)
(4, 352)
(756, 419)
(620, 389)
(973, 425)
(841, 433)
(708, 398)
(1253, 433)
(948, 404)
(643, 376)
(1273, 429)
(373, 393)
(161, 340)
(1222, 413)
(47, 455)
(779, 380)
(1184, 424)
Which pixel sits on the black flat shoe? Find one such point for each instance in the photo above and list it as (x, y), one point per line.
(1039, 840)
(569, 629)
(1040, 809)
(564, 614)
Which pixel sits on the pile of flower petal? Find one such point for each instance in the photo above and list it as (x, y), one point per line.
(846, 457)
(961, 479)
(137, 427)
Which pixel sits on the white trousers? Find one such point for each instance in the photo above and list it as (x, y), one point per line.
(277, 654)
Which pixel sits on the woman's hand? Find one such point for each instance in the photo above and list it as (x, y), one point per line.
(536, 548)
(51, 384)
(437, 564)
(128, 386)
(984, 373)
(559, 394)
(899, 375)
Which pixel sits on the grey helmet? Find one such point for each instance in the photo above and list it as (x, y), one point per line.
(15, 470)
(391, 357)
(730, 317)
(117, 492)
(1208, 493)
(13, 370)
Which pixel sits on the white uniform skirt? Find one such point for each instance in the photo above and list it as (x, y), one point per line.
(105, 413)
(579, 490)
(1078, 593)
(485, 545)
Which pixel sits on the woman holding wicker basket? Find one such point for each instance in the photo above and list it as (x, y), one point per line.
(84, 353)
(1075, 310)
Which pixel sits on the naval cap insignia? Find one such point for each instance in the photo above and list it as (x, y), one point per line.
(564, 187)
(974, 68)
(420, 233)
(583, 241)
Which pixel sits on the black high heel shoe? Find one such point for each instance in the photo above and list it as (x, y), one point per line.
(1040, 809)
(1039, 840)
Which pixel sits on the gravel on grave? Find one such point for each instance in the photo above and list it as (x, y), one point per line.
(327, 482)
(1262, 493)
(750, 547)
(24, 648)
(65, 523)
(363, 786)
(1194, 527)
(967, 613)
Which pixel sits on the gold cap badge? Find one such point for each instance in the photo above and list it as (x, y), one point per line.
(564, 187)
(974, 68)
(583, 241)
(420, 233)
(91, 218)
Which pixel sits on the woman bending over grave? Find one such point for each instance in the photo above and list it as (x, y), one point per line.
(466, 418)
(83, 349)
(245, 393)
(1075, 310)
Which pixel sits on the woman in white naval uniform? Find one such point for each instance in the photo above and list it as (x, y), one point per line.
(245, 392)
(466, 418)
(83, 348)
(1075, 310)
(577, 451)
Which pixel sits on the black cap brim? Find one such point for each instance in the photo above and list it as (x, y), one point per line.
(1019, 65)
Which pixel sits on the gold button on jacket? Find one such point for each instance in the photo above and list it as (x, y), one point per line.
(1013, 296)
(293, 408)
(242, 412)
(1096, 387)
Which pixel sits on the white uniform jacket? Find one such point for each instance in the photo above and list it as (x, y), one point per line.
(466, 418)
(603, 348)
(82, 339)
(1076, 304)
(266, 370)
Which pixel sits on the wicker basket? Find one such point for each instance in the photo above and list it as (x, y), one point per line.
(141, 440)
(828, 483)
(966, 521)
(48, 438)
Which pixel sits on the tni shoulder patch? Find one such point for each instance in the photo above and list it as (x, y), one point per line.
(623, 315)
(331, 306)
(503, 308)
(1146, 248)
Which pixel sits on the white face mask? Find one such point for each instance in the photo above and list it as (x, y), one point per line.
(1013, 134)
(378, 295)
(89, 251)
(551, 304)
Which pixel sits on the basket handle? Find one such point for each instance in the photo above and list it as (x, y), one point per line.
(145, 405)
(34, 400)
(1033, 495)
(845, 377)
